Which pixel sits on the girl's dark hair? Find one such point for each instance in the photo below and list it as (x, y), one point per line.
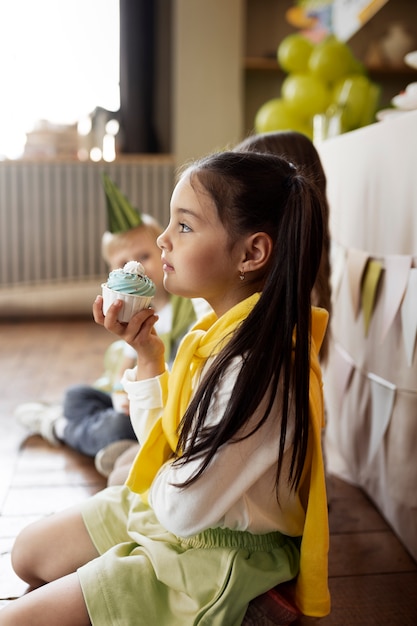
(256, 192)
(299, 149)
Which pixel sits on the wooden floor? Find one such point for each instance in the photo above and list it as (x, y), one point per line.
(373, 579)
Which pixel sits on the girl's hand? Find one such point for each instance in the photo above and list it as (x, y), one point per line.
(139, 333)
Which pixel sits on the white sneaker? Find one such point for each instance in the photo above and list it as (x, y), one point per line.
(39, 419)
(107, 457)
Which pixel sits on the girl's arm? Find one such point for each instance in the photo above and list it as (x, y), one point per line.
(146, 400)
(143, 383)
(138, 333)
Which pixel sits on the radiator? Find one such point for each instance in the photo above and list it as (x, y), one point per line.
(53, 214)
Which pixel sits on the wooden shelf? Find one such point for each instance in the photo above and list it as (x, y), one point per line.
(269, 64)
(402, 70)
(262, 63)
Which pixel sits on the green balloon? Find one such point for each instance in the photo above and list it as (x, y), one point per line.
(352, 94)
(357, 67)
(276, 114)
(306, 94)
(371, 107)
(294, 52)
(330, 60)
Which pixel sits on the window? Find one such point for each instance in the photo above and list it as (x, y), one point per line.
(59, 60)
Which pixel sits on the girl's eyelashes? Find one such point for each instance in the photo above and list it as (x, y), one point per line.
(184, 228)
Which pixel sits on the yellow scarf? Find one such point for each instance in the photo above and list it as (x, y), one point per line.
(311, 586)
(204, 340)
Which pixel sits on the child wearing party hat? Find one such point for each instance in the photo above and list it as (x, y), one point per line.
(94, 420)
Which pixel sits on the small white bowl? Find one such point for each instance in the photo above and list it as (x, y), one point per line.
(388, 114)
(407, 99)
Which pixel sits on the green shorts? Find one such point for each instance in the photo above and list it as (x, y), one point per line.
(148, 576)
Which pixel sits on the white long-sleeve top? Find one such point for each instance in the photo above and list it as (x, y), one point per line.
(237, 489)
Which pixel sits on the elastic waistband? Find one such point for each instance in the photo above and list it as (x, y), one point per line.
(227, 538)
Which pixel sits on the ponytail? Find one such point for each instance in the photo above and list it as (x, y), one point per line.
(263, 192)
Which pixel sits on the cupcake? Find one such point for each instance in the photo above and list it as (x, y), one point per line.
(131, 285)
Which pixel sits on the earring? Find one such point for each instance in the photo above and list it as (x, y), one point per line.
(242, 275)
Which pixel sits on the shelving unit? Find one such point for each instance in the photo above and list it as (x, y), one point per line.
(266, 27)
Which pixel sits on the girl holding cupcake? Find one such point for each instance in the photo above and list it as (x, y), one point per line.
(226, 498)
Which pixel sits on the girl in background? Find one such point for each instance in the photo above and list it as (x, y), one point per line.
(300, 150)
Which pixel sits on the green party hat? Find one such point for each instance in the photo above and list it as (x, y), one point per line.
(122, 216)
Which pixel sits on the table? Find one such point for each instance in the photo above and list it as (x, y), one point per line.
(371, 376)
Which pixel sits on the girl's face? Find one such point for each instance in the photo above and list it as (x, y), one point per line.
(142, 247)
(197, 255)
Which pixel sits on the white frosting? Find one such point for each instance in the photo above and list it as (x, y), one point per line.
(134, 267)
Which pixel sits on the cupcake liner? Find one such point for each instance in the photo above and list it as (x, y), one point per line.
(131, 303)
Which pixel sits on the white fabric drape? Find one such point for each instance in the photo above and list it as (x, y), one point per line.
(371, 376)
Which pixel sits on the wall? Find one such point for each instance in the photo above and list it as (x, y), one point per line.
(207, 76)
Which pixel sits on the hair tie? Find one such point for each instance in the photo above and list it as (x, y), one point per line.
(290, 178)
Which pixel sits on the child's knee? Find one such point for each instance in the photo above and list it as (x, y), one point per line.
(24, 556)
